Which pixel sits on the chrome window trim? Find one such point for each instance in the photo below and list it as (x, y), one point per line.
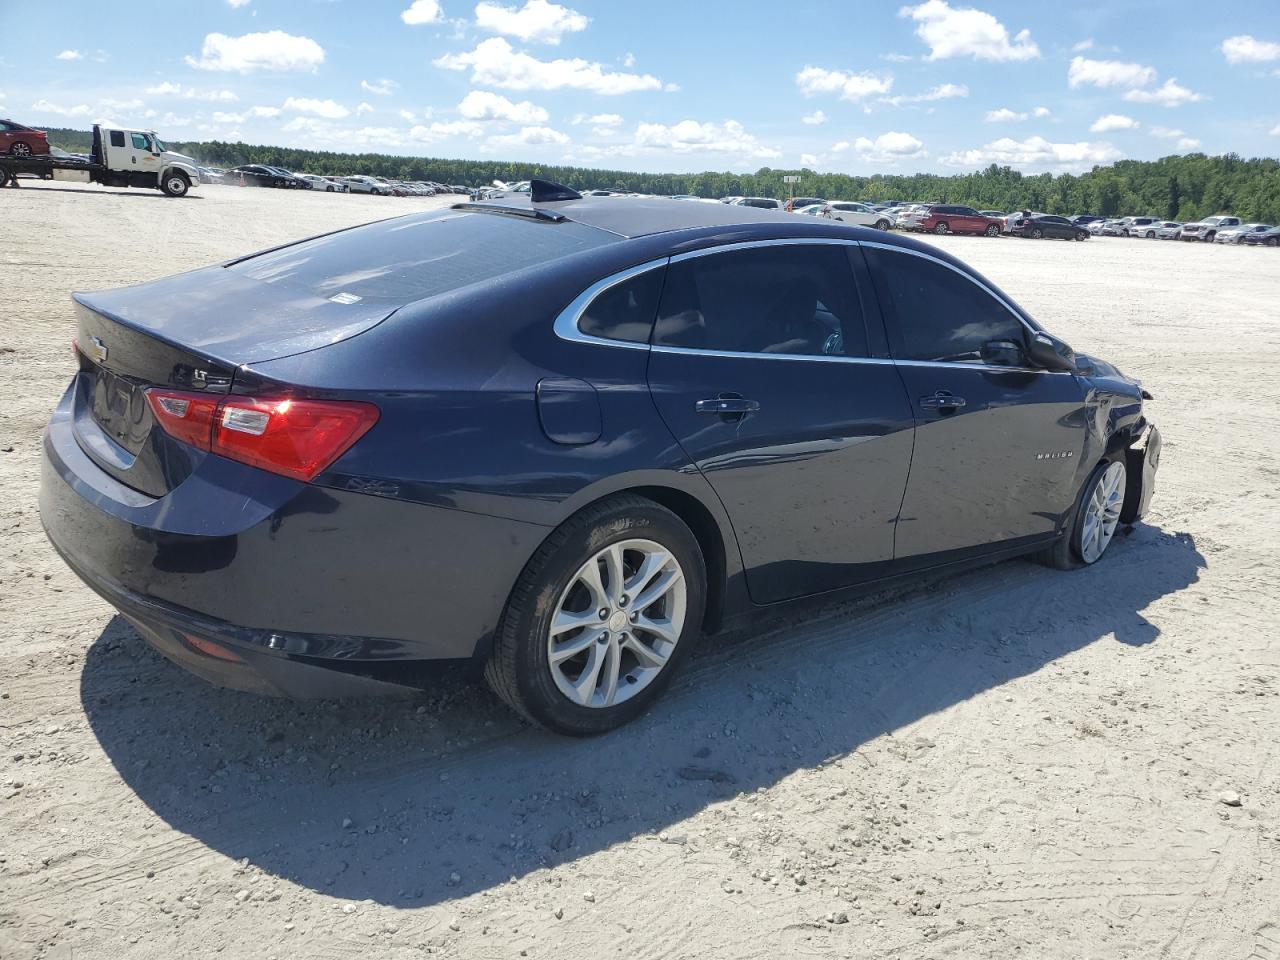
(566, 322)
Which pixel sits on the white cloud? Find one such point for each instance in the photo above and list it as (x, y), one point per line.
(1169, 133)
(1036, 152)
(529, 137)
(483, 105)
(815, 118)
(265, 112)
(1082, 46)
(167, 89)
(70, 55)
(381, 88)
(850, 86)
(363, 108)
(421, 12)
(238, 3)
(887, 148)
(1113, 121)
(1168, 94)
(273, 50)
(1108, 73)
(944, 91)
(408, 115)
(220, 116)
(431, 132)
(44, 106)
(1040, 112)
(328, 109)
(690, 136)
(602, 124)
(537, 20)
(629, 59)
(966, 32)
(1247, 49)
(1188, 143)
(896, 57)
(494, 63)
(808, 160)
(1003, 115)
(1275, 131)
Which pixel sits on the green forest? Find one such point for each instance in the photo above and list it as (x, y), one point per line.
(1181, 188)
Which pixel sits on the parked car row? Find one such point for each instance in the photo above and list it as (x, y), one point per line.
(265, 175)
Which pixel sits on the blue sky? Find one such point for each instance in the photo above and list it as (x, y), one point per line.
(865, 87)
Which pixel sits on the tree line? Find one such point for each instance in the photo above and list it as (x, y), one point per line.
(1182, 188)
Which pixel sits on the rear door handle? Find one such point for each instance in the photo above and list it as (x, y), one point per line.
(943, 400)
(727, 406)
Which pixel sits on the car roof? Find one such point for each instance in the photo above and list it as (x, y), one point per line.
(632, 217)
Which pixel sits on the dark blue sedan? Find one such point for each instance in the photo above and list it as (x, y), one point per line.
(562, 437)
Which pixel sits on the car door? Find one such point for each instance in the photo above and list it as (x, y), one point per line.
(764, 370)
(996, 445)
(143, 158)
(6, 137)
(971, 221)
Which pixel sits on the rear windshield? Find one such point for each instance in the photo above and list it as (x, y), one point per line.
(411, 258)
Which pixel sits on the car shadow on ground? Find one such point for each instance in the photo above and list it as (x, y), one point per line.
(416, 802)
(150, 192)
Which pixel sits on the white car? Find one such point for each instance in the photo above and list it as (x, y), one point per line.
(1169, 230)
(318, 182)
(1236, 234)
(1208, 228)
(360, 184)
(764, 203)
(850, 211)
(1143, 227)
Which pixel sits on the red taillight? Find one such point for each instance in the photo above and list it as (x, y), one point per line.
(297, 438)
(292, 437)
(184, 416)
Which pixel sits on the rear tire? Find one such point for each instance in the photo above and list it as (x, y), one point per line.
(1072, 551)
(521, 669)
(20, 149)
(941, 229)
(992, 230)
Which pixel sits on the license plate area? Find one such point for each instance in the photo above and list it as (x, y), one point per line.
(119, 407)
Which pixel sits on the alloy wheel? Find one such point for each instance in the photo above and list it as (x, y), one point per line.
(20, 149)
(1102, 512)
(616, 623)
(941, 228)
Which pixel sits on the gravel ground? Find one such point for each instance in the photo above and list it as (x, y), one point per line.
(1014, 762)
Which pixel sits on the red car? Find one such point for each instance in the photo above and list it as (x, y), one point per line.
(950, 218)
(22, 141)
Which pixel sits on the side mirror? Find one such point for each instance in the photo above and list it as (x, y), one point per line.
(1049, 352)
(1003, 353)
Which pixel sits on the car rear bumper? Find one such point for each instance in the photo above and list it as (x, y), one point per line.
(287, 575)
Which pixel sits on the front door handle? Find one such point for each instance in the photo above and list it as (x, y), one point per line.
(729, 406)
(943, 401)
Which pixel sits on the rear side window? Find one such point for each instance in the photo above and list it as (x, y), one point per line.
(935, 313)
(624, 311)
(796, 299)
(117, 138)
(412, 258)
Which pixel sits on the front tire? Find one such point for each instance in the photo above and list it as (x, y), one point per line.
(175, 185)
(1094, 519)
(600, 618)
(941, 229)
(1037, 234)
(882, 224)
(20, 149)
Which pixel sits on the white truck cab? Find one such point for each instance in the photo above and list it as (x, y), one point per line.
(138, 158)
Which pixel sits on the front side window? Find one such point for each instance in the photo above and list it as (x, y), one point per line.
(795, 299)
(624, 311)
(140, 141)
(936, 313)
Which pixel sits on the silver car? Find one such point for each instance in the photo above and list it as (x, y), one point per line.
(1208, 228)
(851, 211)
(1169, 230)
(1237, 234)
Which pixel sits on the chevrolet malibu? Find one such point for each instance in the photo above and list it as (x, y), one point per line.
(561, 437)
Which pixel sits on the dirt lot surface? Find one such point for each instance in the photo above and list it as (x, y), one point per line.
(1015, 763)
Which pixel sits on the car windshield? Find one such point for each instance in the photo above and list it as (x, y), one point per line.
(160, 144)
(412, 258)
